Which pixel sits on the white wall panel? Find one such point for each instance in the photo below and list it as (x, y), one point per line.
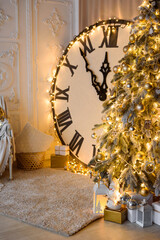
(33, 34)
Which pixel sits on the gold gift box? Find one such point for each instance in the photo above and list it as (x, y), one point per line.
(59, 161)
(117, 216)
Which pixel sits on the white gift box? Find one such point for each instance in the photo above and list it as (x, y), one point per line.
(156, 212)
(144, 214)
(131, 215)
(57, 150)
(62, 150)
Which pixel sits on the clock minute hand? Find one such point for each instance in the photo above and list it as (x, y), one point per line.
(95, 84)
(105, 69)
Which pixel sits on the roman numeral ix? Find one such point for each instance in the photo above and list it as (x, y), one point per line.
(76, 142)
(110, 36)
(64, 120)
(71, 67)
(88, 48)
(62, 94)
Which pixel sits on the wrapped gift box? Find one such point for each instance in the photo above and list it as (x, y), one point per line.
(156, 212)
(59, 161)
(131, 215)
(62, 150)
(57, 150)
(115, 216)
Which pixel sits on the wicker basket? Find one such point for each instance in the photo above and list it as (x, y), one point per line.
(30, 161)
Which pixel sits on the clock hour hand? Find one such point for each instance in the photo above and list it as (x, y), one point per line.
(95, 84)
(105, 69)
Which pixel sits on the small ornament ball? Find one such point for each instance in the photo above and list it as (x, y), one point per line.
(115, 69)
(108, 118)
(147, 86)
(144, 191)
(100, 156)
(141, 17)
(131, 128)
(125, 49)
(94, 135)
(149, 167)
(140, 155)
(139, 107)
(129, 85)
(125, 68)
(132, 38)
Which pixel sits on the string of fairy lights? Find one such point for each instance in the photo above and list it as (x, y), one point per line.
(74, 164)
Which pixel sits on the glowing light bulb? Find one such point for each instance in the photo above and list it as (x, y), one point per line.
(148, 145)
(156, 138)
(49, 79)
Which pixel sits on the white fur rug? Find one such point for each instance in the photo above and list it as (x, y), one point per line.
(56, 200)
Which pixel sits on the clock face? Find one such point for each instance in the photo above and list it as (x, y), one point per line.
(81, 82)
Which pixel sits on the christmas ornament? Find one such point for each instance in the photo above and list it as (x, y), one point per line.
(108, 118)
(140, 107)
(94, 135)
(132, 38)
(132, 204)
(129, 85)
(141, 17)
(147, 86)
(115, 69)
(131, 128)
(100, 156)
(144, 214)
(125, 68)
(149, 166)
(147, 124)
(125, 49)
(144, 191)
(125, 198)
(140, 155)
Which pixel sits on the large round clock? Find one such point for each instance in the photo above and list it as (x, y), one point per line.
(81, 82)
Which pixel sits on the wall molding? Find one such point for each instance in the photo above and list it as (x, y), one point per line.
(3, 17)
(54, 22)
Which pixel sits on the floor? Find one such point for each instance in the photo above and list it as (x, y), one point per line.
(11, 229)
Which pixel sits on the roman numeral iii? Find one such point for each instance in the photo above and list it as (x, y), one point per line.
(76, 143)
(64, 120)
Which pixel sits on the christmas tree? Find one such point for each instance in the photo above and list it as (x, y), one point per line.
(129, 143)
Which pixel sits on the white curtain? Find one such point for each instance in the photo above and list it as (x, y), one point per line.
(93, 10)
